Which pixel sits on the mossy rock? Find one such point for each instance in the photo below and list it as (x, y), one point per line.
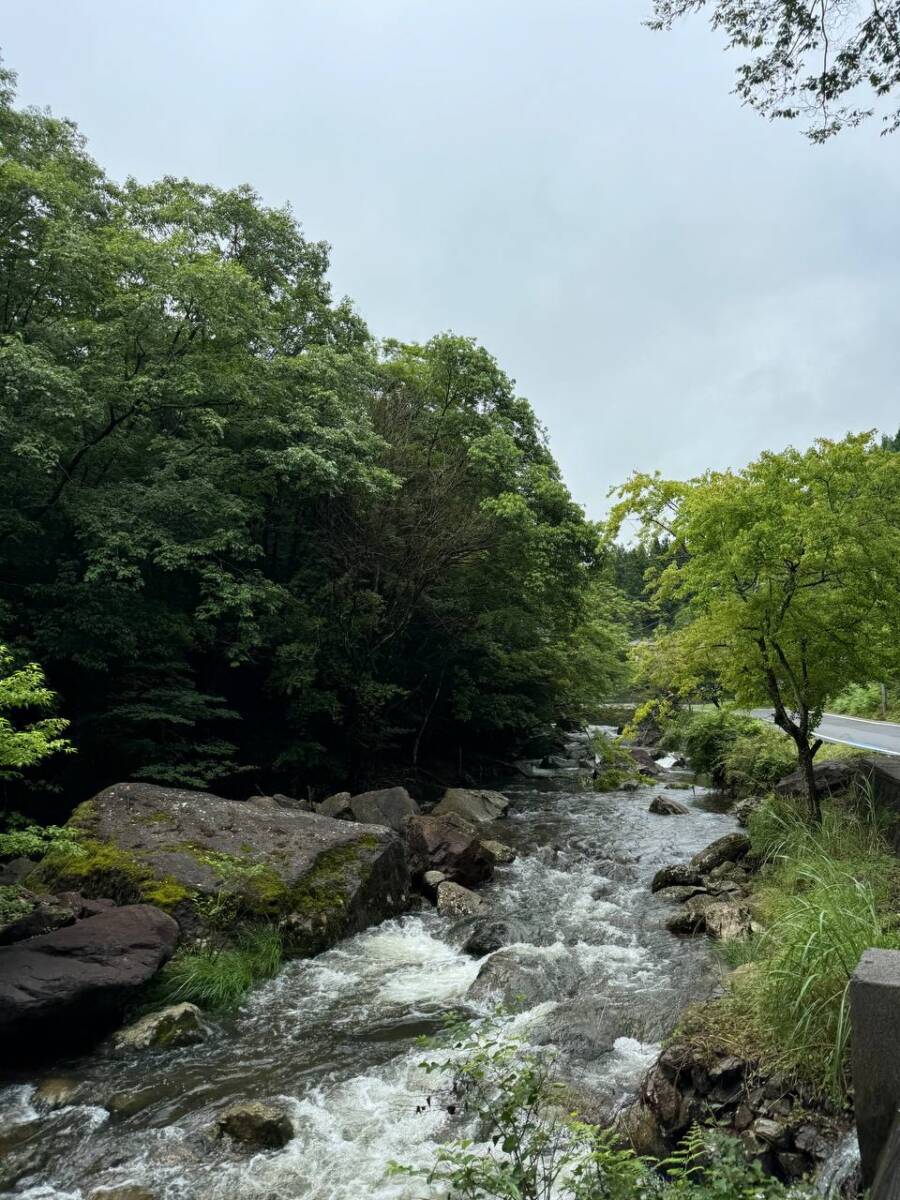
(216, 863)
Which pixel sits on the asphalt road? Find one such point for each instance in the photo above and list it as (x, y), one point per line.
(853, 731)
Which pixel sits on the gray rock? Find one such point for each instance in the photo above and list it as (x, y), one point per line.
(177, 1025)
(744, 809)
(83, 974)
(32, 915)
(676, 876)
(640, 1130)
(128, 1191)
(527, 974)
(774, 1133)
(726, 921)
(56, 1091)
(831, 778)
(489, 934)
(499, 851)
(257, 1125)
(456, 901)
(691, 917)
(386, 806)
(475, 805)
(431, 881)
(337, 807)
(184, 848)
(645, 762)
(665, 806)
(730, 848)
(678, 895)
(436, 843)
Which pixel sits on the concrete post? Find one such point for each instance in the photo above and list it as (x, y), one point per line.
(875, 1015)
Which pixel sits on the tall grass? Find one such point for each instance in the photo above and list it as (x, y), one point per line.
(216, 978)
(828, 894)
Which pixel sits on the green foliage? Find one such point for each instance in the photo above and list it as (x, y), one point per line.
(615, 765)
(217, 977)
(530, 1148)
(239, 533)
(789, 571)
(833, 65)
(13, 904)
(26, 743)
(26, 840)
(828, 892)
(757, 759)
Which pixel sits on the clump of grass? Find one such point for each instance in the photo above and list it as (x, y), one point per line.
(827, 893)
(217, 977)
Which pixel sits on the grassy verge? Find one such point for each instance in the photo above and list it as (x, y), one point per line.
(823, 896)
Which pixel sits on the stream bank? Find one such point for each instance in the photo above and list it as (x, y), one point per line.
(332, 1039)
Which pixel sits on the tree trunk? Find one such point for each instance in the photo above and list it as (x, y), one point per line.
(807, 754)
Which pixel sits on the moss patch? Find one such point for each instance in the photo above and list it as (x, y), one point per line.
(102, 869)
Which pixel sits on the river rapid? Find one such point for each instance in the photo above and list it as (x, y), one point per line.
(335, 1037)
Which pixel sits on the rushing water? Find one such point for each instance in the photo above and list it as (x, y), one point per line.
(334, 1037)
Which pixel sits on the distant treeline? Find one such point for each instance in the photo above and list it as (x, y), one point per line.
(250, 546)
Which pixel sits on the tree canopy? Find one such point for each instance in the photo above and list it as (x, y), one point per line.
(833, 62)
(789, 570)
(241, 536)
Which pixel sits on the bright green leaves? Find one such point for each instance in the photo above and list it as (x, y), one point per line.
(24, 742)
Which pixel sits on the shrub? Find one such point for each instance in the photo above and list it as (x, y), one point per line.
(22, 839)
(615, 765)
(531, 1149)
(858, 700)
(217, 977)
(757, 759)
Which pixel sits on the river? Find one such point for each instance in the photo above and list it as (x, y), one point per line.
(335, 1036)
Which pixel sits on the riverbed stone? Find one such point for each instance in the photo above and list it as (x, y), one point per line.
(126, 1191)
(499, 851)
(691, 917)
(665, 806)
(456, 901)
(528, 974)
(489, 934)
(475, 804)
(730, 848)
(678, 895)
(79, 977)
(177, 1025)
(53, 1092)
(337, 807)
(678, 875)
(256, 1124)
(437, 844)
(385, 806)
(726, 921)
(183, 849)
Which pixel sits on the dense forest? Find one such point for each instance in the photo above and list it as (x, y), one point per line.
(250, 545)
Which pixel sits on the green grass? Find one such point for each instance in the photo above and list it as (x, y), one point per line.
(825, 895)
(216, 978)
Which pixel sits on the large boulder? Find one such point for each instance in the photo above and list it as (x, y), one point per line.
(189, 851)
(831, 777)
(645, 762)
(665, 806)
(336, 806)
(438, 844)
(678, 875)
(83, 975)
(730, 848)
(528, 974)
(453, 900)
(474, 805)
(387, 806)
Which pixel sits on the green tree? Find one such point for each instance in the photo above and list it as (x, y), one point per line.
(834, 62)
(24, 742)
(790, 570)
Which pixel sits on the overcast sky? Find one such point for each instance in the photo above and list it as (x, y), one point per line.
(673, 282)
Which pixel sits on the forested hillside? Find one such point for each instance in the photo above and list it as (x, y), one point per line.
(249, 545)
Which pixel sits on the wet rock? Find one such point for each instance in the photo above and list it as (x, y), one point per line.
(257, 1125)
(730, 848)
(774, 1133)
(56, 1091)
(436, 844)
(82, 974)
(676, 876)
(489, 934)
(678, 895)
(672, 1110)
(744, 809)
(726, 921)
(665, 806)
(527, 975)
(180, 849)
(640, 1130)
(499, 852)
(386, 806)
(456, 901)
(811, 1142)
(31, 915)
(177, 1025)
(431, 881)
(127, 1191)
(475, 805)
(337, 807)
(645, 762)
(125, 1103)
(691, 917)
(831, 778)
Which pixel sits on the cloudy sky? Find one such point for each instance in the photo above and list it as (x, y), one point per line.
(673, 282)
